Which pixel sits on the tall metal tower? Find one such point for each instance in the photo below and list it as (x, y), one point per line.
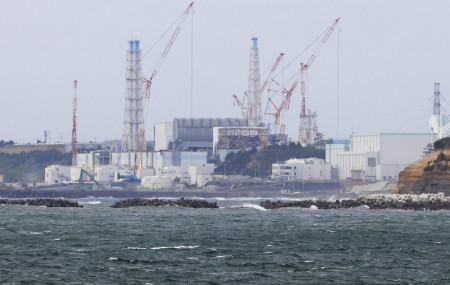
(437, 100)
(436, 119)
(254, 109)
(74, 126)
(134, 115)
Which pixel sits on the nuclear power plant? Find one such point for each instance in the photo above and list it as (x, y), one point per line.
(187, 150)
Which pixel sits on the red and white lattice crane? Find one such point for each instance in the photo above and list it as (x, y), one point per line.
(308, 119)
(262, 89)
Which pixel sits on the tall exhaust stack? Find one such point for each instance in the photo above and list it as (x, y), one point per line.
(133, 100)
(254, 102)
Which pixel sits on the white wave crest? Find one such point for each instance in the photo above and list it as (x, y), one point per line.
(112, 258)
(249, 205)
(175, 247)
(136, 248)
(30, 233)
(91, 202)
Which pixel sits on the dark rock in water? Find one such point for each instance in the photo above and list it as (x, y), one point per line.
(42, 202)
(188, 203)
(372, 203)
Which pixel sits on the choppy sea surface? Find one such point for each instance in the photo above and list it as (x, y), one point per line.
(239, 243)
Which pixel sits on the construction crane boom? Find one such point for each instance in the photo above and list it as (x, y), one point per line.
(263, 87)
(148, 83)
(240, 105)
(308, 124)
(284, 106)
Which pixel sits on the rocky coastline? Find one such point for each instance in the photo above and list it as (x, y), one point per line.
(187, 203)
(423, 202)
(42, 202)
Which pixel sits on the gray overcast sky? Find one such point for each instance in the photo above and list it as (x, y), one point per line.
(391, 53)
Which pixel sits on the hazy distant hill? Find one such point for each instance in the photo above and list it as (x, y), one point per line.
(18, 148)
(29, 166)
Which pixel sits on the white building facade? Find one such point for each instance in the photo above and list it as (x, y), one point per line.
(378, 157)
(55, 174)
(301, 169)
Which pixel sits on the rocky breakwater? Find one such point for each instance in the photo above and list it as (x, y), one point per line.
(423, 202)
(141, 202)
(41, 202)
(430, 174)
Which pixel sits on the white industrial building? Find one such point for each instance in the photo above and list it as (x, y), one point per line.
(377, 157)
(57, 174)
(301, 169)
(105, 166)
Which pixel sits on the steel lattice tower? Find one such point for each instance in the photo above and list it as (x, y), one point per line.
(437, 100)
(134, 115)
(74, 125)
(254, 101)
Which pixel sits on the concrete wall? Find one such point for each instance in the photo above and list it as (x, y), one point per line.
(348, 161)
(163, 135)
(105, 173)
(378, 157)
(57, 174)
(302, 169)
(364, 143)
(331, 151)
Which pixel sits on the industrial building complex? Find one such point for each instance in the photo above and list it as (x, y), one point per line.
(187, 150)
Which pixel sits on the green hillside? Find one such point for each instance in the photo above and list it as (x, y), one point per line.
(259, 163)
(29, 166)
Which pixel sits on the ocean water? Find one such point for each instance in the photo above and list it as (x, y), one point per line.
(240, 243)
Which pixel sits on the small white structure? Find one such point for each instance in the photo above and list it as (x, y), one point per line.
(439, 126)
(75, 173)
(377, 157)
(157, 182)
(163, 135)
(301, 169)
(57, 174)
(196, 170)
(105, 173)
(203, 179)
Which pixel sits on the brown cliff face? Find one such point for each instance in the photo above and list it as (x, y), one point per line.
(414, 180)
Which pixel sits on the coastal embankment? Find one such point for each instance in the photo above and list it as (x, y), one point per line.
(423, 202)
(187, 203)
(41, 202)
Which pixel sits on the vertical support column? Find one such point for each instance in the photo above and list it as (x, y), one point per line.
(134, 117)
(254, 102)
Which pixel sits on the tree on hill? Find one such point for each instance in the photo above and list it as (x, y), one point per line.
(3, 143)
(29, 166)
(259, 163)
(442, 143)
(427, 150)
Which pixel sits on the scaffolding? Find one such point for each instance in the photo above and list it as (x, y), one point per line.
(242, 138)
